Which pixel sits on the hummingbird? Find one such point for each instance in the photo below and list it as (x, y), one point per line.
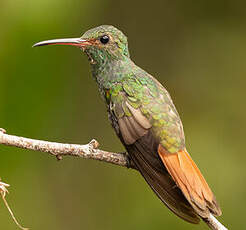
(147, 123)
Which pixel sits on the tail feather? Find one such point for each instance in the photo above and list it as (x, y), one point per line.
(191, 182)
(146, 159)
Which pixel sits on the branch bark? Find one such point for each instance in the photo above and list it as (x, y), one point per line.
(87, 151)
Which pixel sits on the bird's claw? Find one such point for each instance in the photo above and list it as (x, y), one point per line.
(128, 160)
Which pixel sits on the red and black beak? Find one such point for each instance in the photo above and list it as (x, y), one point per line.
(66, 41)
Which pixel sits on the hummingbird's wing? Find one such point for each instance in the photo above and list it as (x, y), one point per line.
(143, 151)
(149, 126)
(145, 157)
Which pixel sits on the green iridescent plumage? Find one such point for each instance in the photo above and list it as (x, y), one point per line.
(121, 81)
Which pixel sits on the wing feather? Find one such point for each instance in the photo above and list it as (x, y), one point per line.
(149, 126)
(145, 157)
(134, 126)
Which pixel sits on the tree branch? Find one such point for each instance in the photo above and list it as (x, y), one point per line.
(88, 151)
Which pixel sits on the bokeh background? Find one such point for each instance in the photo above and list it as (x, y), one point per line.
(197, 49)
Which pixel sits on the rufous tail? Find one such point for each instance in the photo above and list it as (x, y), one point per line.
(191, 182)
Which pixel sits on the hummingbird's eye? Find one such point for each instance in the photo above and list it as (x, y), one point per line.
(104, 39)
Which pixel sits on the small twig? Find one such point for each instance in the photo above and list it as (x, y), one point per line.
(3, 188)
(3, 191)
(89, 151)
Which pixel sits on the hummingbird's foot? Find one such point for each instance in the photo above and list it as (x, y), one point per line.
(3, 188)
(129, 162)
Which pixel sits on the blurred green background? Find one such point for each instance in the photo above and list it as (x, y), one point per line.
(197, 49)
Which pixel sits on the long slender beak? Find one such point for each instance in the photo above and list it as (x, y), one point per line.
(67, 41)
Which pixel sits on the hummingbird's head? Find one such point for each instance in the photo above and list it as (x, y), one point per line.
(100, 44)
